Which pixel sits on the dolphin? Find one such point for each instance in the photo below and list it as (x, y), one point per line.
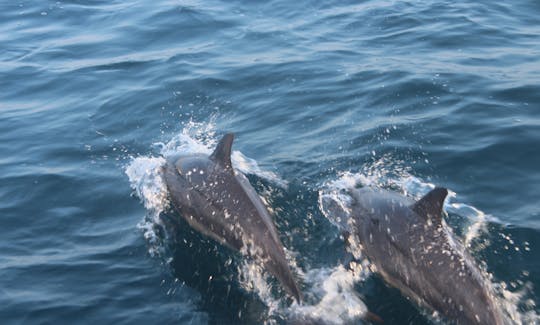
(414, 251)
(219, 202)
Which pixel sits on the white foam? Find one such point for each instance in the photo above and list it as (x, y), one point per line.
(248, 165)
(253, 278)
(511, 300)
(194, 138)
(337, 301)
(145, 176)
(330, 292)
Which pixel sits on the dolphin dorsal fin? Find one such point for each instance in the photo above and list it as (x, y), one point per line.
(431, 204)
(222, 153)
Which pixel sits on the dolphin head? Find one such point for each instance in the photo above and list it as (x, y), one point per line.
(379, 216)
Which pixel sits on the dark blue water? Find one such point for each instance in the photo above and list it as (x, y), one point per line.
(404, 95)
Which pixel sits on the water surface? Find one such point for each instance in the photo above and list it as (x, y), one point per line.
(397, 94)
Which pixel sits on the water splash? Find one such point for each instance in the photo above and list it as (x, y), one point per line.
(336, 299)
(252, 277)
(146, 179)
(248, 165)
(195, 137)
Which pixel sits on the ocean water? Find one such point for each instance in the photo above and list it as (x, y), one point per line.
(321, 95)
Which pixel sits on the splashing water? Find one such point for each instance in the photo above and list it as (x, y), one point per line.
(253, 278)
(247, 165)
(145, 177)
(144, 174)
(338, 301)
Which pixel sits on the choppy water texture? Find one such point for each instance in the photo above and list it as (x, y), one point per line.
(321, 95)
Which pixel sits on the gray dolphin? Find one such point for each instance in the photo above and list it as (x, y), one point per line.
(415, 252)
(220, 202)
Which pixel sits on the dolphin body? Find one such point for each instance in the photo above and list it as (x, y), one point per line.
(220, 203)
(415, 252)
